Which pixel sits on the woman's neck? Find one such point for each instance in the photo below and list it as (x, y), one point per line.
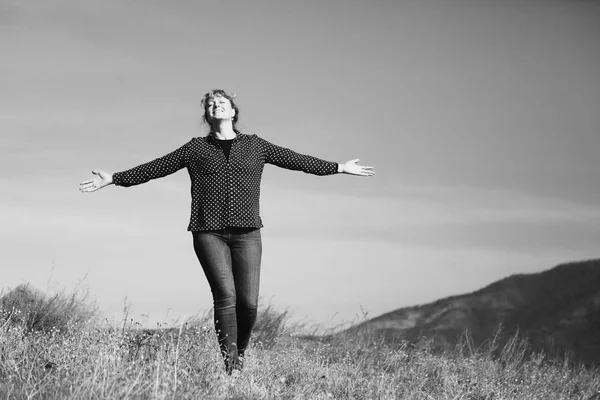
(223, 130)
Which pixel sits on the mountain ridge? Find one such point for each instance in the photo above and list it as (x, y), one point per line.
(556, 310)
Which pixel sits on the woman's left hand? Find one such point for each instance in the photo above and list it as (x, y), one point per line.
(351, 167)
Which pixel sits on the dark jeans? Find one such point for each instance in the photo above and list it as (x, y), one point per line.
(231, 261)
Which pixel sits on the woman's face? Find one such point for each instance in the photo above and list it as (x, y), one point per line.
(219, 108)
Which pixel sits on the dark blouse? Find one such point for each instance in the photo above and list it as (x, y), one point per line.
(225, 192)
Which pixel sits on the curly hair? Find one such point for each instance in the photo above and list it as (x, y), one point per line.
(220, 93)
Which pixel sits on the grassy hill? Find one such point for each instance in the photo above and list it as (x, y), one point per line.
(57, 347)
(557, 310)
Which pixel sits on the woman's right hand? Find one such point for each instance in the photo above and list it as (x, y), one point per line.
(100, 180)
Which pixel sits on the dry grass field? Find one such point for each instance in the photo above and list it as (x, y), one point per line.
(57, 348)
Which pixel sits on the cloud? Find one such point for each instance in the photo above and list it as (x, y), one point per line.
(426, 207)
(435, 218)
(484, 204)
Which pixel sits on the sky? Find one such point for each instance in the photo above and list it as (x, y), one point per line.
(481, 119)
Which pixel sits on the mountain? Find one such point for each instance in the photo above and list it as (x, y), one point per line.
(557, 310)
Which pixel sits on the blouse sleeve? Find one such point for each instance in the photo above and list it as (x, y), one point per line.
(289, 159)
(158, 168)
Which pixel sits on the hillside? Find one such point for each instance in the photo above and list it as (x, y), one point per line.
(557, 310)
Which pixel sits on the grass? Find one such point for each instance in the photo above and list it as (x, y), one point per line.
(73, 355)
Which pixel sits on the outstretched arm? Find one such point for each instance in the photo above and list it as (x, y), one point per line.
(286, 158)
(157, 168)
(100, 180)
(351, 167)
(289, 159)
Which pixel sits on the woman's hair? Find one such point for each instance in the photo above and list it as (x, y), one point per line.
(220, 93)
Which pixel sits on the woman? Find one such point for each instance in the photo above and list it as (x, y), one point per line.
(225, 169)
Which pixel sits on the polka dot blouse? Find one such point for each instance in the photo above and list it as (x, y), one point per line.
(224, 192)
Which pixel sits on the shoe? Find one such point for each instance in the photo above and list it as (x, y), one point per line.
(240, 363)
(232, 363)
